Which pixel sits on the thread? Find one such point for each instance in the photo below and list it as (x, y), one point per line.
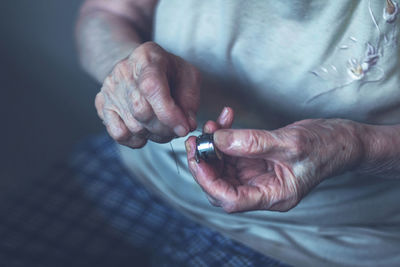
(176, 156)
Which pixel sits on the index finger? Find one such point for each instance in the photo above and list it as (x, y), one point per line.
(224, 121)
(231, 197)
(205, 175)
(153, 85)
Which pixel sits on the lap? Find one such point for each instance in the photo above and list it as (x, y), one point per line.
(147, 221)
(94, 213)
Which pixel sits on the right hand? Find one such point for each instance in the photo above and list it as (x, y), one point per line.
(151, 95)
(274, 170)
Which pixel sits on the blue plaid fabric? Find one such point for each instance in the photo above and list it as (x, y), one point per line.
(94, 213)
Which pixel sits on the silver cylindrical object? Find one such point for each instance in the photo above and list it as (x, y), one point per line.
(205, 149)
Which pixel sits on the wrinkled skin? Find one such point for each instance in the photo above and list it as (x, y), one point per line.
(273, 170)
(151, 95)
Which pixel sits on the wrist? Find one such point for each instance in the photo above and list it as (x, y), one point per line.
(103, 41)
(381, 145)
(355, 140)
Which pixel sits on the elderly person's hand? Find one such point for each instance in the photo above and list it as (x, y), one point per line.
(273, 170)
(151, 95)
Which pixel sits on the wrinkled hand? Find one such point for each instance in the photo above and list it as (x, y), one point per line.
(273, 170)
(152, 95)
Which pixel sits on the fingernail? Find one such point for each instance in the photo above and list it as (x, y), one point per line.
(224, 113)
(180, 130)
(223, 138)
(188, 148)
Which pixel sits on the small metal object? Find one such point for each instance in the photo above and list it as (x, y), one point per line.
(205, 149)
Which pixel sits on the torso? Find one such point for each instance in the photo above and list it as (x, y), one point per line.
(281, 55)
(270, 60)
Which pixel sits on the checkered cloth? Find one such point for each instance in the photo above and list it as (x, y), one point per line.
(94, 213)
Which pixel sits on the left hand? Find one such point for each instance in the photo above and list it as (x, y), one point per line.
(274, 170)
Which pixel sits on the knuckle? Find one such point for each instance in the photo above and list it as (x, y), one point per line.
(135, 98)
(149, 85)
(123, 72)
(108, 82)
(298, 142)
(255, 142)
(148, 53)
(144, 115)
(150, 46)
(109, 89)
(117, 69)
(120, 67)
(109, 78)
(141, 110)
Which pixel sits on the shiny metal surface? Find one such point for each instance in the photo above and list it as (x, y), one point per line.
(205, 149)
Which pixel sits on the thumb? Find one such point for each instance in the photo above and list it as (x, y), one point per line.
(243, 143)
(187, 92)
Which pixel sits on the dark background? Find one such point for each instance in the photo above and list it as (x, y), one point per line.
(47, 100)
(46, 108)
